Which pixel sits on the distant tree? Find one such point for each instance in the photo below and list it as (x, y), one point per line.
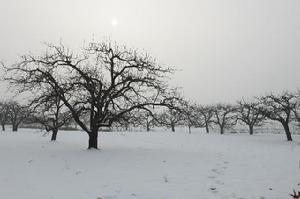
(296, 111)
(192, 116)
(50, 112)
(249, 113)
(207, 113)
(225, 116)
(173, 115)
(17, 114)
(3, 114)
(147, 120)
(279, 108)
(104, 81)
(170, 118)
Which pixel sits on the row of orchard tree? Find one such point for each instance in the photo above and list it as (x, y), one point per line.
(106, 85)
(282, 108)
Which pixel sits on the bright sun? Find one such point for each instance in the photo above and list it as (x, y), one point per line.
(114, 22)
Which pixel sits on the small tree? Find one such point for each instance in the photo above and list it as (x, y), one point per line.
(279, 108)
(174, 114)
(249, 113)
(170, 118)
(207, 113)
(191, 116)
(225, 116)
(17, 114)
(146, 119)
(49, 111)
(296, 111)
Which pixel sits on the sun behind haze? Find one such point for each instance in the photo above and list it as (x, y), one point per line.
(223, 50)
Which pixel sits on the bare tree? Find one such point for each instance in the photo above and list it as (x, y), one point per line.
(249, 113)
(191, 115)
(49, 111)
(170, 118)
(225, 116)
(146, 119)
(174, 114)
(279, 108)
(296, 111)
(207, 113)
(104, 81)
(3, 114)
(17, 114)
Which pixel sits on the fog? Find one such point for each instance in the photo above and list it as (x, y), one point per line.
(223, 49)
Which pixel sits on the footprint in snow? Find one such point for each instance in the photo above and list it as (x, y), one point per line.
(107, 197)
(211, 177)
(213, 189)
(216, 171)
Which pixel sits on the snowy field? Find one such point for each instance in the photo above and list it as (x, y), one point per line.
(148, 166)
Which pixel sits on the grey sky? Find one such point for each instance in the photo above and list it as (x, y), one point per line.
(225, 49)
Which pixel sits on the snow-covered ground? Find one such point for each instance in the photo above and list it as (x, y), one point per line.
(158, 165)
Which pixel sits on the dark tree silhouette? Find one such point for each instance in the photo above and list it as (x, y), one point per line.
(103, 81)
(249, 113)
(279, 108)
(225, 116)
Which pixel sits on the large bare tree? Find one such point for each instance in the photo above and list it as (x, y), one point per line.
(279, 108)
(104, 81)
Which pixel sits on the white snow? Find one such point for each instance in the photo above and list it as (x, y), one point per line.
(159, 165)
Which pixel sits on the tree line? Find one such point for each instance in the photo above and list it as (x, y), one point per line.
(105, 85)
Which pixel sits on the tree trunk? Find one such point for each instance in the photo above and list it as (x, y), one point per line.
(251, 129)
(173, 127)
(222, 130)
(54, 134)
(148, 127)
(287, 131)
(93, 139)
(15, 127)
(207, 129)
(3, 127)
(190, 129)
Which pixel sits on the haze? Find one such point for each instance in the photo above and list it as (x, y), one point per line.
(223, 49)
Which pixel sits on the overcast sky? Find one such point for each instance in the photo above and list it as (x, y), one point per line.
(224, 49)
